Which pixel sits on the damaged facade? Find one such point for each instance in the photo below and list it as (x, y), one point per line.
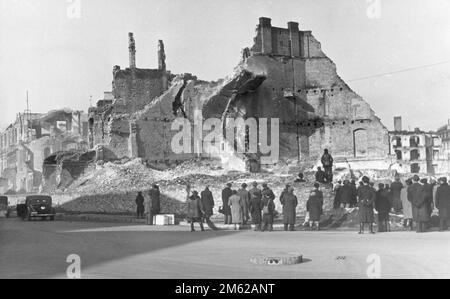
(26, 143)
(417, 151)
(284, 75)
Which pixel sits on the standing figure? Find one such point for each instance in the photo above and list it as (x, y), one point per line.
(337, 195)
(140, 207)
(346, 195)
(268, 208)
(314, 207)
(289, 203)
(245, 201)
(354, 201)
(207, 202)
(153, 204)
(226, 193)
(255, 206)
(327, 163)
(417, 197)
(406, 207)
(443, 204)
(383, 207)
(237, 212)
(366, 200)
(321, 176)
(396, 188)
(195, 210)
(428, 188)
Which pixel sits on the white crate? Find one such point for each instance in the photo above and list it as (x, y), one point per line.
(166, 219)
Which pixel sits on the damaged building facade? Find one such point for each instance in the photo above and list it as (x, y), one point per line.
(26, 143)
(285, 75)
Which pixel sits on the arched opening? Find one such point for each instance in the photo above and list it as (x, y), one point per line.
(399, 155)
(414, 141)
(414, 155)
(360, 143)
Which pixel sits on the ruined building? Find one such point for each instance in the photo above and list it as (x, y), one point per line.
(285, 75)
(33, 137)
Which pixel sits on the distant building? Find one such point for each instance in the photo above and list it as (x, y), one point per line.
(33, 137)
(417, 151)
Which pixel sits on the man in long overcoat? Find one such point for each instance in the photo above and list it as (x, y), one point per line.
(140, 207)
(207, 202)
(255, 205)
(289, 202)
(237, 210)
(407, 207)
(226, 193)
(396, 188)
(428, 188)
(327, 163)
(366, 200)
(314, 206)
(195, 210)
(268, 207)
(383, 207)
(417, 197)
(245, 201)
(346, 194)
(443, 203)
(153, 203)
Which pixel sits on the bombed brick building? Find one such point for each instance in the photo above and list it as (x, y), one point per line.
(285, 75)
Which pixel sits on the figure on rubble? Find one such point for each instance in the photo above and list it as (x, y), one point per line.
(327, 163)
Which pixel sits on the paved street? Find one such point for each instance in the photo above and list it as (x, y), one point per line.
(39, 250)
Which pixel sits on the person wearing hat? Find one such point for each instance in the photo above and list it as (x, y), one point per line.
(406, 206)
(314, 207)
(443, 203)
(346, 194)
(428, 188)
(285, 191)
(226, 193)
(140, 207)
(289, 202)
(383, 207)
(237, 211)
(255, 206)
(245, 201)
(396, 188)
(417, 197)
(153, 203)
(366, 200)
(207, 202)
(268, 208)
(195, 210)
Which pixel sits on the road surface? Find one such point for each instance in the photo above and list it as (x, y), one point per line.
(39, 249)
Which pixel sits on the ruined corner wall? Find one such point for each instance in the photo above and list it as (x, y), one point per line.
(134, 88)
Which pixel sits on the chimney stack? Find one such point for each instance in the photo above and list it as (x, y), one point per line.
(398, 123)
(132, 50)
(161, 56)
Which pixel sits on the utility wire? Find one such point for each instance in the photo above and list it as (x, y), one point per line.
(400, 71)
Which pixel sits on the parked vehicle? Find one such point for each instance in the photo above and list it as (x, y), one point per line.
(37, 206)
(4, 208)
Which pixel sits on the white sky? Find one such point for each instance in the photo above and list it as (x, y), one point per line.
(63, 60)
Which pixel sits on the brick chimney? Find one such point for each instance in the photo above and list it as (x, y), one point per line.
(132, 50)
(398, 123)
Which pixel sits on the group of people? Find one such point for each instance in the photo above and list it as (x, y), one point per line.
(416, 200)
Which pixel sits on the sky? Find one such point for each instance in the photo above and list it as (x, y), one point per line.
(63, 51)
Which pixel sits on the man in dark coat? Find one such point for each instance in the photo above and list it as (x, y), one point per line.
(289, 202)
(314, 206)
(268, 208)
(443, 203)
(417, 197)
(396, 189)
(383, 206)
(366, 200)
(327, 163)
(346, 194)
(337, 195)
(255, 206)
(226, 193)
(195, 210)
(321, 175)
(207, 202)
(140, 208)
(428, 188)
(154, 203)
(245, 199)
